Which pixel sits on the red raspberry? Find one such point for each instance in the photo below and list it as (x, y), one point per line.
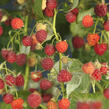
(87, 21)
(41, 35)
(77, 42)
(8, 98)
(83, 105)
(27, 41)
(48, 12)
(92, 39)
(1, 84)
(97, 75)
(96, 105)
(34, 100)
(106, 93)
(51, 4)
(17, 104)
(11, 57)
(52, 105)
(10, 80)
(46, 97)
(103, 70)
(75, 11)
(64, 76)
(88, 68)
(47, 63)
(19, 80)
(0, 15)
(70, 17)
(100, 49)
(4, 53)
(64, 103)
(106, 25)
(49, 50)
(36, 76)
(62, 46)
(21, 59)
(1, 30)
(17, 23)
(101, 10)
(45, 84)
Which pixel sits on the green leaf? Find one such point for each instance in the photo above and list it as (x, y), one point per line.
(84, 13)
(37, 7)
(5, 106)
(75, 3)
(74, 83)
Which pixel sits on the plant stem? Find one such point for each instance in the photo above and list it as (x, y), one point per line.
(93, 85)
(42, 106)
(27, 66)
(26, 76)
(26, 25)
(54, 26)
(99, 86)
(95, 26)
(60, 55)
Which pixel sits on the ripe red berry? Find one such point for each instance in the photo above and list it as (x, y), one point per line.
(88, 68)
(17, 104)
(41, 35)
(62, 46)
(1, 30)
(49, 12)
(10, 80)
(77, 42)
(75, 11)
(52, 105)
(36, 76)
(92, 39)
(106, 25)
(106, 93)
(34, 100)
(1, 84)
(96, 105)
(103, 70)
(64, 76)
(45, 84)
(64, 103)
(47, 63)
(11, 57)
(83, 105)
(46, 97)
(101, 10)
(4, 53)
(8, 98)
(21, 59)
(0, 15)
(27, 41)
(49, 50)
(19, 80)
(96, 75)
(70, 17)
(17, 23)
(51, 4)
(100, 49)
(87, 21)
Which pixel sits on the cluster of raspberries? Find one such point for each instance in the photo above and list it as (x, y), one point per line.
(96, 72)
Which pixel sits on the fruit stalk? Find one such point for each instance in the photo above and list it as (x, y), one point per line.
(27, 66)
(60, 55)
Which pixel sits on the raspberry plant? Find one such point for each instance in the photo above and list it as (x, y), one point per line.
(54, 55)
